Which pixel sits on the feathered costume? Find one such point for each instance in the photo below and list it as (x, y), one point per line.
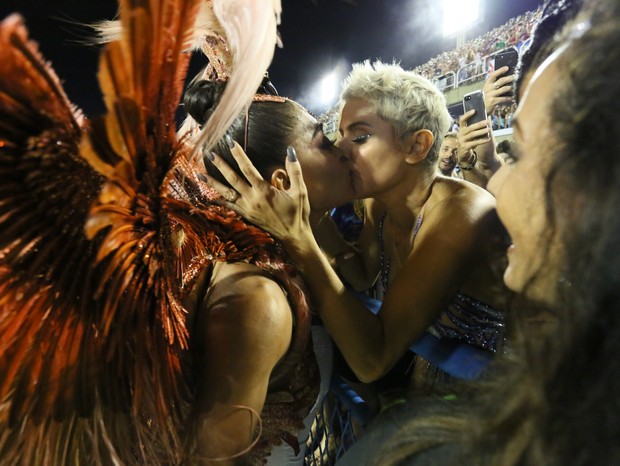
(104, 227)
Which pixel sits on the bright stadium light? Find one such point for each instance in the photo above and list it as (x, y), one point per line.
(324, 92)
(328, 88)
(458, 15)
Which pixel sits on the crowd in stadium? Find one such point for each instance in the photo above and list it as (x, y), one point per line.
(467, 61)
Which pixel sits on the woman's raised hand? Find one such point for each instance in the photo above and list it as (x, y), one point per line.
(280, 208)
(497, 89)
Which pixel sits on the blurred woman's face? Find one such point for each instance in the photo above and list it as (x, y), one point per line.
(325, 168)
(519, 188)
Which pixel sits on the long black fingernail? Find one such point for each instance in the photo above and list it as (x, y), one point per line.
(291, 155)
(229, 141)
(202, 177)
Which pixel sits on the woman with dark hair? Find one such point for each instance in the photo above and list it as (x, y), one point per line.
(142, 322)
(555, 14)
(266, 131)
(256, 346)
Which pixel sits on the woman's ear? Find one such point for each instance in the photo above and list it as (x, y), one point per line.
(280, 179)
(418, 144)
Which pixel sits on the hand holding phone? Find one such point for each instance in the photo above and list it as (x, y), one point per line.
(506, 58)
(498, 89)
(475, 101)
(509, 58)
(473, 135)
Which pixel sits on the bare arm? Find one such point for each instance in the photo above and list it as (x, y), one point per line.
(351, 263)
(244, 329)
(424, 286)
(370, 343)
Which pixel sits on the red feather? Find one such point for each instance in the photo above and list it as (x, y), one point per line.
(104, 228)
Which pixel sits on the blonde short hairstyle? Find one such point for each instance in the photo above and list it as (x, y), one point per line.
(405, 99)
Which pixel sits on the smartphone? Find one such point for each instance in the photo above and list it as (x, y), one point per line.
(475, 100)
(507, 58)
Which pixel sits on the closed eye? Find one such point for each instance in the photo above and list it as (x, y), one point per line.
(361, 139)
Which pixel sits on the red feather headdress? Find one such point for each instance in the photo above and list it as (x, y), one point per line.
(104, 226)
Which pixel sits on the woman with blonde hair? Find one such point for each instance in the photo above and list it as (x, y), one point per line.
(552, 400)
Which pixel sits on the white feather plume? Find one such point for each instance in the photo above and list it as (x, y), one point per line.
(250, 28)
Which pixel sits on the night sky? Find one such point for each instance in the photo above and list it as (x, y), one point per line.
(317, 34)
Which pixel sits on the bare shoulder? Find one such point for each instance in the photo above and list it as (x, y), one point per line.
(462, 201)
(462, 214)
(249, 300)
(236, 278)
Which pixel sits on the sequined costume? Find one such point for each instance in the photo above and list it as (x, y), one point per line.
(104, 229)
(471, 321)
(464, 320)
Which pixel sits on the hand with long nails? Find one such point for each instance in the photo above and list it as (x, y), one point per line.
(282, 211)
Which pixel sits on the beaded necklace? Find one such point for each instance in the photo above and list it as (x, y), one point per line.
(385, 262)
